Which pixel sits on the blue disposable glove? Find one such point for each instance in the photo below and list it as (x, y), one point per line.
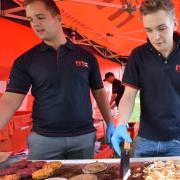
(109, 132)
(121, 134)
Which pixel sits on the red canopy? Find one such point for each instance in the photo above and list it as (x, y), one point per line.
(15, 39)
(114, 24)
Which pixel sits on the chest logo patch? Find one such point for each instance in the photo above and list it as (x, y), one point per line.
(80, 63)
(178, 68)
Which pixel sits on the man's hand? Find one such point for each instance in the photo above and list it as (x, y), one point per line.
(121, 134)
(109, 132)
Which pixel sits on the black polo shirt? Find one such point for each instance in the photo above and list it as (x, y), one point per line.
(159, 82)
(118, 89)
(61, 82)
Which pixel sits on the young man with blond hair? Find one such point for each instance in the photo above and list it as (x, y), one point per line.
(153, 69)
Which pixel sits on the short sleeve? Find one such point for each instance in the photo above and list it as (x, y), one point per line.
(131, 74)
(19, 79)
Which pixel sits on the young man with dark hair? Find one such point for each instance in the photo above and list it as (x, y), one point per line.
(153, 68)
(117, 89)
(60, 75)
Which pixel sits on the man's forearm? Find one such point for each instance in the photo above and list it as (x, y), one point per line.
(103, 104)
(126, 105)
(6, 114)
(9, 103)
(125, 111)
(113, 97)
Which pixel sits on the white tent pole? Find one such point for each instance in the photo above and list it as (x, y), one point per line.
(15, 16)
(13, 10)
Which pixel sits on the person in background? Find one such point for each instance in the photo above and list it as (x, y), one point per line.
(61, 75)
(117, 89)
(154, 69)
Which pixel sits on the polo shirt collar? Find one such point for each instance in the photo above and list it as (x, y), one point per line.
(69, 45)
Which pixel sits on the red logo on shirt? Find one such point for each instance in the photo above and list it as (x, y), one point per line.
(178, 68)
(80, 63)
